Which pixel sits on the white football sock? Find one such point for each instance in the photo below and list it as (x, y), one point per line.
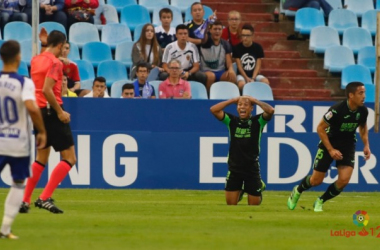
(12, 206)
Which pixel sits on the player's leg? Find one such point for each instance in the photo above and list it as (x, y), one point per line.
(233, 188)
(253, 187)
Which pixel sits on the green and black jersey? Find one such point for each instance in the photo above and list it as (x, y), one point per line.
(245, 136)
(343, 124)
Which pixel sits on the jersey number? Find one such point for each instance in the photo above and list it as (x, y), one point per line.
(8, 110)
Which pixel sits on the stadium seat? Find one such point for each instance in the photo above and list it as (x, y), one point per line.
(116, 88)
(137, 33)
(120, 4)
(74, 52)
(356, 38)
(151, 5)
(335, 4)
(86, 84)
(115, 33)
(338, 57)
(307, 19)
(19, 31)
(359, 7)
(182, 5)
(342, 19)
(23, 69)
(208, 12)
(133, 15)
(224, 90)
(86, 70)
(260, 91)
(50, 26)
(102, 2)
(81, 33)
(367, 57)
(369, 21)
(177, 15)
(198, 90)
(26, 51)
(96, 52)
(378, 5)
(112, 71)
(355, 73)
(370, 90)
(156, 85)
(322, 38)
(123, 53)
(110, 14)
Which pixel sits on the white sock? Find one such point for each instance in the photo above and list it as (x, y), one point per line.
(11, 207)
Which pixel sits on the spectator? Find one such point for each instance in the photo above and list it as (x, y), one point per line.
(248, 56)
(50, 11)
(99, 88)
(66, 92)
(231, 32)
(10, 11)
(142, 87)
(216, 60)
(187, 53)
(146, 49)
(174, 87)
(164, 33)
(317, 4)
(128, 91)
(197, 12)
(80, 11)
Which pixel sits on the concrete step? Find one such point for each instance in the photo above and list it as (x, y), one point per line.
(207, 2)
(243, 7)
(281, 54)
(289, 72)
(286, 27)
(275, 36)
(247, 17)
(307, 98)
(318, 93)
(298, 82)
(302, 63)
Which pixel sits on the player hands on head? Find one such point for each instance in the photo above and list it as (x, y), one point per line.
(243, 158)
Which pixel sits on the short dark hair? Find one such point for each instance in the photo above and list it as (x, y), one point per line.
(181, 27)
(216, 23)
(142, 65)
(9, 50)
(195, 3)
(127, 86)
(166, 10)
(99, 79)
(55, 37)
(352, 87)
(248, 26)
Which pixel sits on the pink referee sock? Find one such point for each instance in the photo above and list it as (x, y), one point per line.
(58, 175)
(37, 169)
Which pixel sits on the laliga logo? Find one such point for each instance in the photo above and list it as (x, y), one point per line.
(361, 218)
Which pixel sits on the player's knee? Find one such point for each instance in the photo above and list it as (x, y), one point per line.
(342, 182)
(315, 181)
(231, 203)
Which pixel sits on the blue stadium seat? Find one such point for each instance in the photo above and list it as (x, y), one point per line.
(26, 51)
(123, 53)
(208, 12)
(156, 85)
(81, 33)
(23, 69)
(50, 26)
(335, 4)
(367, 58)
(133, 15)
(198, 90)
(177, 16)
(355, 73)
(120, 4)
(182, 5)
(137, 32)
(338, 57)
(356, 38)
(116, 88)
(307, 19)
(102, 2)
(322, 38)
(260, 91)
(369, 21)
(112, 71)
(87, 84)
(151, 5)
(370, 90)
(86, 70)
(19, 31)
(74, 52)
(359, 7)
(96, 52)
(378, 5)
(110, 14)
(342, 19)
(224, 90)
(115, 33)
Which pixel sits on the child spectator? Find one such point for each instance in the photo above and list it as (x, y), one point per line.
(164, 33)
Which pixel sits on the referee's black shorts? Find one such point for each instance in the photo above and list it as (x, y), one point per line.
(59, 134)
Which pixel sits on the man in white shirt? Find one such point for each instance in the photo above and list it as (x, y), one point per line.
(99, 88)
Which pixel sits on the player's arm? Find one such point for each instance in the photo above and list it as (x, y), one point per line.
(363, 132)
(268, 109)
(321, 130)
(35, 114)
(217, 109)
(47, 90)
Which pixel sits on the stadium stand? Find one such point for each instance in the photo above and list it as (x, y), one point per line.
(307, 19)
(82, 33)
(369, 21)
(370, 92)
(258, 90)
(337, 58)
(182, 5)
(359, 7)
(224, 90)
(120, 4)
(116, 88)
(151, 5)
(112, 71)
(198, 90)
(49, 26)
(19, 31)
(133, 15)
(26, 51)
(123, 53)
(356, 73)
(96, 52)
(356, 38)
(322, 38)
(115, 33)
(86, 70)
(74, 52)
(109, 13)
(155, 85)
(367, 58)
(342, 19)
(177, 16)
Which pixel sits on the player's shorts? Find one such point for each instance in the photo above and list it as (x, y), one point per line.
(20, 166)
(235, 181)
(59, 134)
(323, 159)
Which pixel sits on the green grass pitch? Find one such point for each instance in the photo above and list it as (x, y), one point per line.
(186, 219)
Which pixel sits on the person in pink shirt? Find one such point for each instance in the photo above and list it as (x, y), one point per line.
(174, 87)
(80, 11)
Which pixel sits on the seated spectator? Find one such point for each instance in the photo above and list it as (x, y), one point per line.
(10, 11)
(197, 12)
(147, 50)
(128, 91)
(165, 34)
(187, 53)
(216, 60)
(99, 88)
(231, 32)
(80, 11)
(174, 87)
(248, 56)
(142, 87)
(50, 11)
(317, 4)
(65, 90)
